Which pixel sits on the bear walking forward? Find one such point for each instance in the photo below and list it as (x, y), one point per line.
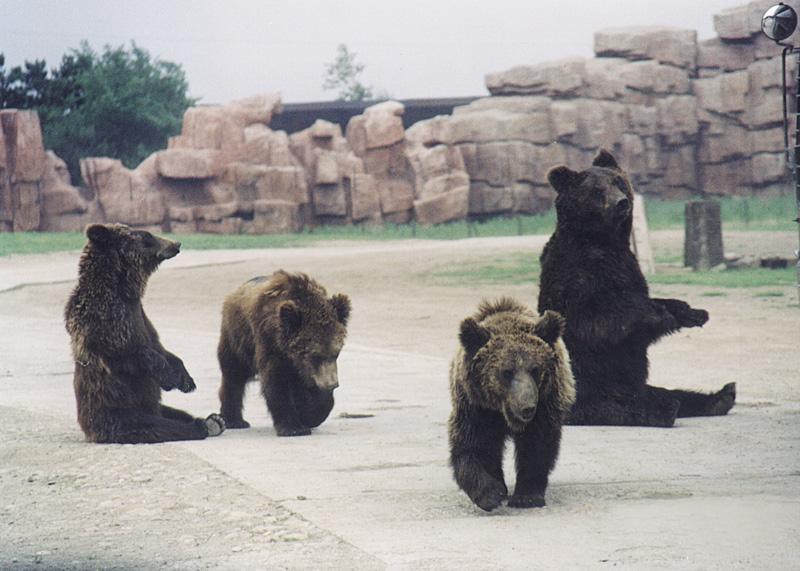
(591, 276)
(510, 377)
(285, 329)
(120, 365)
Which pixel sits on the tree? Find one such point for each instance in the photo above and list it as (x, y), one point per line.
(121, 103)
(343, 74)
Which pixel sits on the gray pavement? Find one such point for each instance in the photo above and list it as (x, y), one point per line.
(371, 488)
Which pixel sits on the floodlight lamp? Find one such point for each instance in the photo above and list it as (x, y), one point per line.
(779, 22)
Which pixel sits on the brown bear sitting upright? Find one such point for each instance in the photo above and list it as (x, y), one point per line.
(510, 378)
(592, 278)
(285, 329)
(120, 364)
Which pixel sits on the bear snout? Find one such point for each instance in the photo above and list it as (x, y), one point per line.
(327, 377)
(622, 208)
(169, 249)
(523, 400)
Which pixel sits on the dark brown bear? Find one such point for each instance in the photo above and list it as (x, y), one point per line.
(592, 278)
(285, 329)
(120, 364)
(510, 378)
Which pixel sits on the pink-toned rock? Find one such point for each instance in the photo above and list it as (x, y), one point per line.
(724, 56)
(326, 168)
(329, 200)
(24, 153)
(431, 132)
(769, 168)
(365, 199)
(382, 125)
(395, 195)
(561, 77)
(189, 163)
(486, 199)
(58, 195)
(531, 199)
(123, 194)
(444, 184)
(655, 78)
(445, 207)
(667, 45)
(275, 217)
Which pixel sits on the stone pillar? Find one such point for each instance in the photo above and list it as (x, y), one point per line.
(703, 242)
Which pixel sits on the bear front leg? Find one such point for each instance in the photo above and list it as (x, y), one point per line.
(278, 382)
(156, 365)
(476, 456)
(536, 452)
(186, 381)
(686, 315)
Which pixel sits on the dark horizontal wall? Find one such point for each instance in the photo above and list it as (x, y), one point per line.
(298, 116)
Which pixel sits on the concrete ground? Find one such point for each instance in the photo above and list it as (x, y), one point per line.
(371, 488)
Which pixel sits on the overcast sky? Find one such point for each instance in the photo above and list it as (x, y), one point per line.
(410, 48)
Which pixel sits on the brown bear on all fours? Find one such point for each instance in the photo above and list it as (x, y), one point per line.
(285, 329)
(120, 365)
(510, 378)
(591, 277)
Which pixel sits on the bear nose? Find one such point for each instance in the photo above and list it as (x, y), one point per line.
(528, 412)
(622, 206)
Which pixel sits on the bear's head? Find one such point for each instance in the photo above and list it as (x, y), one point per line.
(313, 328)
(512, 363)
(596, 203)
(132, 254)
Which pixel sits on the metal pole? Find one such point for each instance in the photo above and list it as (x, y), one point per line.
(795, 165)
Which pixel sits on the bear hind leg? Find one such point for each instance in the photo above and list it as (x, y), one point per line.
(131, 426)
(645, 408)
(695, 403)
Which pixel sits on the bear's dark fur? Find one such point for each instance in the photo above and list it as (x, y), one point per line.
(510, 378)
(592, 278)
(285, 329)
(120, 364)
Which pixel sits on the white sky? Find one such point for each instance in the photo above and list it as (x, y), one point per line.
(410, 48)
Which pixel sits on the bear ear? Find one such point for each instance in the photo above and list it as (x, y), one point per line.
(99, 234)
(550, 327)
(472, 336)
(561, 178)
(341, 304)
(605, 160)
(291, 318)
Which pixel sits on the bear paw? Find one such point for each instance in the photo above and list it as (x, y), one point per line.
(215, 424)
(292, 430)
(238, 422)
(723, 400)
(490, 497)
(526, 501)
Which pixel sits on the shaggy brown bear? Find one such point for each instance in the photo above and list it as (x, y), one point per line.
(285, 329)
(591, 277)
(510, 378)
(120, 364)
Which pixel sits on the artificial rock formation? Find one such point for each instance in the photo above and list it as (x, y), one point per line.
(683, 117)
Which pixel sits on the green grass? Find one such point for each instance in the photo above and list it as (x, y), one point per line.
(37, 243)
(776, 213)
(519, 268)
